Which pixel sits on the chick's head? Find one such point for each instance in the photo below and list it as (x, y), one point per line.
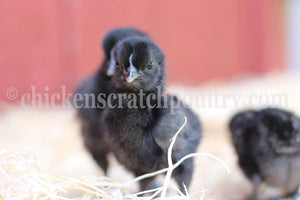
(139, 65)
(281, 129)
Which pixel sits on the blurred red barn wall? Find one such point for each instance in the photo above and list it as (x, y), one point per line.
(57, 43)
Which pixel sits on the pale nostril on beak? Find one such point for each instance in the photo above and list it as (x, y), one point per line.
(132, 72)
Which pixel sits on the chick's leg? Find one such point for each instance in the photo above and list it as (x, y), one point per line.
(145, 184)
(183, 175)
(102, 161)
(256, 181)
(95, 143)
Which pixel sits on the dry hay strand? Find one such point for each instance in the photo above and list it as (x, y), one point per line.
(23, 177)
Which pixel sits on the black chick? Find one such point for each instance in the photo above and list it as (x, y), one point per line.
(89, 110)
(140, 136)
(268, 146)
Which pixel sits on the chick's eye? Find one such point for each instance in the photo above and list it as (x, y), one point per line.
(150, 65)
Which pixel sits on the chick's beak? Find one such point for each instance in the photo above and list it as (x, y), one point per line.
(132, 74)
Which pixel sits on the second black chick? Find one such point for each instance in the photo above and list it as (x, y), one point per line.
(90, 110)
(140, 136)
(268, 146)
